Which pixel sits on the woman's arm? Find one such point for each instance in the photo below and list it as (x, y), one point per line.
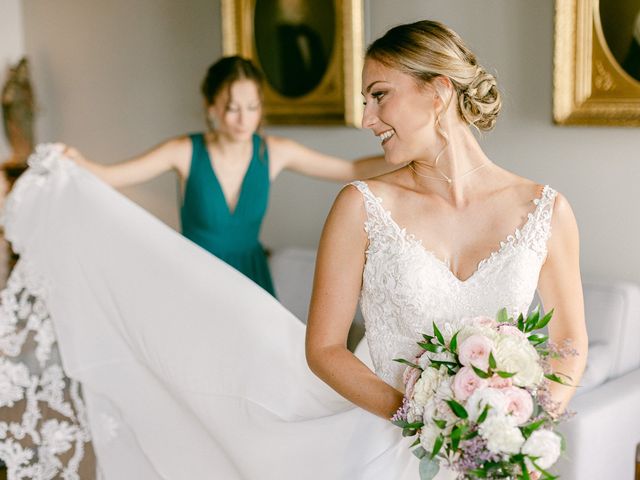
(172, 154)
(286, 154)
(336, 288)
(560, 288)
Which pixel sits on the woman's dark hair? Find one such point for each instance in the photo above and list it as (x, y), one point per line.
(226, 71)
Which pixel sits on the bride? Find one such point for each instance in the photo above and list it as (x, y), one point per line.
(189, 370)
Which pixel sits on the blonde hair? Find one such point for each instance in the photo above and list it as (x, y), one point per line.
(429, 49)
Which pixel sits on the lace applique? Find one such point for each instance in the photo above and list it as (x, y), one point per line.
(406, 287)
(47, 437)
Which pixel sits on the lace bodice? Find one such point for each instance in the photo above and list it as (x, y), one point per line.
(406, 287)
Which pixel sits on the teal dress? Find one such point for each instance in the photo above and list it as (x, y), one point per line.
(207, 220)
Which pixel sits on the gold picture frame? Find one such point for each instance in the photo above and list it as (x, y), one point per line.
(335, 98)
(590, 86)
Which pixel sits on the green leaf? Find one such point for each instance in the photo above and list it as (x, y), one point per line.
(478, 472)
(438, 335)
(407, 362)
(525, 472)
(480, 373)
(471, 435)
(415, 444)
(502, 316)
(453, 345)
(532, 321)
(429, 347)
(520, 323)
(483, 415)
(442, 424)
(544, 320)
(545, 474)
(445, 363)
(427, 338)
(555, 378)
(528, 429)
(537, 338)
(457, 409)
(492, 361)
(405, 424)
(502, 374)
(437, 445)
(456, 434)
(409, 432)
(428, 468)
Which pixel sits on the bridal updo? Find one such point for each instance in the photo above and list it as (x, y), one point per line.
(428, 49)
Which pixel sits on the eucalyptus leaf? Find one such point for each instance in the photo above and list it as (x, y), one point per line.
(502, 316)
(429, 468)
(419, 452)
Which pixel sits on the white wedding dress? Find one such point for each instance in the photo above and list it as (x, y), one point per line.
(188, 369)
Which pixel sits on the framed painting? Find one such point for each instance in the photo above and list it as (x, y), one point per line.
(597, 62)
(311, 54)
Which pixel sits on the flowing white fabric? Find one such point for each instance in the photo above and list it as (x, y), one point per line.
(191, 371)
(188, 369)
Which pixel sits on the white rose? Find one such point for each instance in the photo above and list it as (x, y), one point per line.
(475, 329)
(428, 437)
(543, 444)
(427, 385)
(501, 435)
(517, 355)
(482, 397)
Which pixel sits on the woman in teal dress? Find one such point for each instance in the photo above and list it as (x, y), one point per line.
(226, 172)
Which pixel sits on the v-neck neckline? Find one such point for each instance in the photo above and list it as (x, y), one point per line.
(410, 237)
(212, 169)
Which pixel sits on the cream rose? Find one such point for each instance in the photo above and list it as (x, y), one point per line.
(501, 435)
(517, 355)
(545, 445)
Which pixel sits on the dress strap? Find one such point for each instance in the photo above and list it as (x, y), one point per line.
(538, 229)
(376, 214)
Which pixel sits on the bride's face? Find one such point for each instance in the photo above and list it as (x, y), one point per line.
(237, 110)
(400, 112)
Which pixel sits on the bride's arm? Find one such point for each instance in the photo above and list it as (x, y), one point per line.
(560, 288)
(337, 283)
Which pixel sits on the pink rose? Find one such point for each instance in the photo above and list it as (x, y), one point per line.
(466, 382)
(484, 322)
(498, 382)
(475, 351)
(519, 404)
(511, 330)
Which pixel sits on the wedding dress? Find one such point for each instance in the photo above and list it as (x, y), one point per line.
(188, 369)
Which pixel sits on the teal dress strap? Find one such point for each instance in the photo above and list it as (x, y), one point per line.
(207, 220)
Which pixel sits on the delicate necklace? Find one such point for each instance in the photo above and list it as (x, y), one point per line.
(444, 177)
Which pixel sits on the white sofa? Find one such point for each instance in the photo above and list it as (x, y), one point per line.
(602, 438)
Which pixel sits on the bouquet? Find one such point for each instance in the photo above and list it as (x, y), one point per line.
(477, 399)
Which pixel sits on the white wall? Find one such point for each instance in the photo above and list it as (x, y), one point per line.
(11, 49)
(117, 77)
